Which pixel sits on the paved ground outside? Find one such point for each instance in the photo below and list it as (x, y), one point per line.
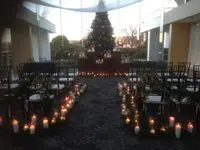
(95, 124)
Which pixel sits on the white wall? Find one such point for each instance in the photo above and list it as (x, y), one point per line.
(34, 44)
(45, 53)
(194, 47)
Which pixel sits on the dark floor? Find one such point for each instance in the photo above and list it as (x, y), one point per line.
(95, 123)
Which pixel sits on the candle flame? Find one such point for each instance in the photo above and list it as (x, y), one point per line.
(15, 121)
(163, 129)
(53, 120)
(152, 131)
(25, 127)
(1, 120)
(128, 120)
(178, 125)
(66, 98)
(190, 125)
(56, 114)
(45, 121)
(151, 121)
(32, 126)
(171, 118)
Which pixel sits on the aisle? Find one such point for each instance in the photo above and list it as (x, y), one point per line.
(95, 124)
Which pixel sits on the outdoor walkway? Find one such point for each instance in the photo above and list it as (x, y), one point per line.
(95, 124)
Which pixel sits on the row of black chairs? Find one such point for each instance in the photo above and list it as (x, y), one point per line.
(169, 88)
(40, 86)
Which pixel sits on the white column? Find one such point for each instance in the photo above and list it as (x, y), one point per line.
(45, 53)
(153, 47)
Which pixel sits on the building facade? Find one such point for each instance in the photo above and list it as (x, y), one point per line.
(181, 31)
(27, 39)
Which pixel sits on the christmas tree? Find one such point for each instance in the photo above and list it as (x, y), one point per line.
(100, 38)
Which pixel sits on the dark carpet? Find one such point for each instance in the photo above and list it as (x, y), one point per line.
(95, 124)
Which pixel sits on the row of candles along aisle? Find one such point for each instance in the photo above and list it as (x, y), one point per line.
(101, 74)
(58, 116)
(127, 95)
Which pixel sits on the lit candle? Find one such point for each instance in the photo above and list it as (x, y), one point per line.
(128, 120)
(163, 129)
(33, 119)
(190, 127)
(70, 101)
(1, 121)
(124, 112)
(124, 84)
(25, 127)
(62, 118)
(45, 123)
(137, 129)
(123, 106)
(124, 98)
(178, 130)
(66, 98)
(53, 120)
(68, 106)
(56, 114)
(15, 126)
(63, 111)
(32, 129)
(152, 131)
(151, 122)
(171, 121)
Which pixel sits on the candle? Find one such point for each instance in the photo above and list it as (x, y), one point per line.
(32, 129)
(190, 127)
(66, 98)
(45, 123)
(124, 112)
(53, 120)
(128, 120)
(125, 84)
(56, 114)
(33, 119)
(1, 121)
(62, 118)
(178, 130)
(136, 121)
(25, 127)
(171, 121)
(163, 129)
(123, 106)
(124, 98)
(152, 131)
(70, 101)
(137, 129)
(15, 126)
(63, 111)
(151, 122)
(68, 106)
